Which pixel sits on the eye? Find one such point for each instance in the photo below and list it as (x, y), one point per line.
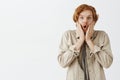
(81, 17)
(89, 18)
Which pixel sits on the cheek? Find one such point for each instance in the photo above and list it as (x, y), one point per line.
(90, 22)
(79, 21)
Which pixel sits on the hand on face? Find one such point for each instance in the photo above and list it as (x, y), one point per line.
(90, 31)
(80, 31)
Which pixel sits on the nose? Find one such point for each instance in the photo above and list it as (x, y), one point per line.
(85, 20)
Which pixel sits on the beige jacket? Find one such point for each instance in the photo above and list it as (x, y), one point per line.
(98, 59)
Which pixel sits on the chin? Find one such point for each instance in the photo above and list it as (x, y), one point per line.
(85, 30)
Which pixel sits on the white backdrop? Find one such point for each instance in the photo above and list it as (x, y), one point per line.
(30, 33)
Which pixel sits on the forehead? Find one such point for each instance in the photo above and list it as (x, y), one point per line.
(86, 13)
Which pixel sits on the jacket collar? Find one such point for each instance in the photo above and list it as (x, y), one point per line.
(92, 38)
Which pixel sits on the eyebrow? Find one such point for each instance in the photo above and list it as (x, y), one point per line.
(83, 15)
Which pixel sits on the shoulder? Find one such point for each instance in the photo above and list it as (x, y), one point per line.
(69, 32)
(101, 32)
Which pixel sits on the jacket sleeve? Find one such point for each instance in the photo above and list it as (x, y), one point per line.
(66, 53)
(103, 53)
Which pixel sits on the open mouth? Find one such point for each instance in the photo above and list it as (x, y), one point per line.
(84, 26)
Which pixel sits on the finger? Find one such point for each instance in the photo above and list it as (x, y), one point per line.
(91, 27)
(93, 24)
(78, 26)
(90, 31)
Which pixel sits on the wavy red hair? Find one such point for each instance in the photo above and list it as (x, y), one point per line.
(83, 7)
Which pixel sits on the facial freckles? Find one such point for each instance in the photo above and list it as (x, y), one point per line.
(85, 19)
